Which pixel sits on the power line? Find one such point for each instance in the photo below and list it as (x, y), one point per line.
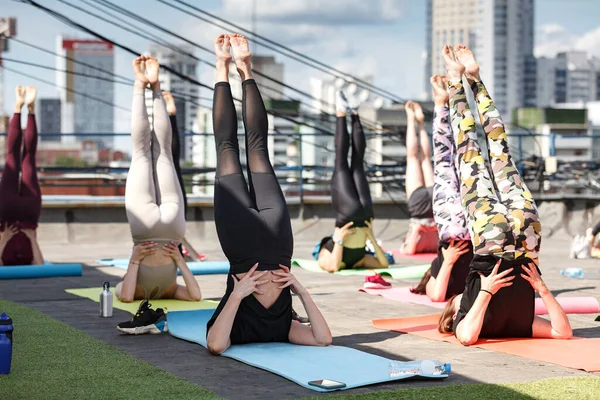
(145, 21)
(66, 88)
(302, 58)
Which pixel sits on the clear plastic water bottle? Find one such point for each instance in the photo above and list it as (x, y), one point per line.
(579, 273)
(419, 367)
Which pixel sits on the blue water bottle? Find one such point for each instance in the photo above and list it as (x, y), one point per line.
(6, 329)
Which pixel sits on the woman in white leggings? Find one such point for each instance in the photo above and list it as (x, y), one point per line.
(154, 201)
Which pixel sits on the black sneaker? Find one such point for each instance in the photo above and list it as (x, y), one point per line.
(146, 320)
(296, 317)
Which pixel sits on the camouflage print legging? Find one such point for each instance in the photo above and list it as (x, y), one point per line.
(448, 211)
(503, 221)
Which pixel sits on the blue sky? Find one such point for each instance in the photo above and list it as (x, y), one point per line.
(381, 37)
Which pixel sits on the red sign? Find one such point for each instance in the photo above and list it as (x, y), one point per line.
(86, 45)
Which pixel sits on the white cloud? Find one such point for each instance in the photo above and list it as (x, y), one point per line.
(552, 39)
(590, 42)
(318, 12)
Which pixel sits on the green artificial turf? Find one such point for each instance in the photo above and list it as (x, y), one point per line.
(52, 360)
(548, 389)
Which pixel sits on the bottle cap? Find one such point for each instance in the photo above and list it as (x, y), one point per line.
(447, 368)
(4, 316)
(106, 285)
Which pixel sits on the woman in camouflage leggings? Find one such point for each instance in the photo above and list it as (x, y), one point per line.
(503, 222)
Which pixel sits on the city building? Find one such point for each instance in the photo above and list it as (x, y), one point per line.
(185, 93)
(571, 77)
(48, 119)
(81, 66)
(501, 34)
(567, 132)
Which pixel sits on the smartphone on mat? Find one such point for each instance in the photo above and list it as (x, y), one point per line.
(327, 384)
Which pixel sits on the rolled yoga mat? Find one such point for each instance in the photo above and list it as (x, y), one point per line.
(394, 271)
(571, 305)
(168, 304)
(577, 353)
(299, 364)
(48, 270)
(197, 268)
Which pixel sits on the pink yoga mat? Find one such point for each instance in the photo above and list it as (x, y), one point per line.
(571, 305)
(425, 257)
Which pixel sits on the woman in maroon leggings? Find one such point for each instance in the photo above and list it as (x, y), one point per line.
(20, 195)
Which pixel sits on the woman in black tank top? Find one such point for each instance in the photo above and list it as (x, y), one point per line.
(253, 224)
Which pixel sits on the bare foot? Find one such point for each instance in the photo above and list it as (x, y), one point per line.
(223, 49)
(466, 57)
(440, 92)
(241, 54)
(152, 67)
(409, 107)
(419, 116)
(170, 102)
(30, 95)
(20, 95)
(139, 69)
(453, 66)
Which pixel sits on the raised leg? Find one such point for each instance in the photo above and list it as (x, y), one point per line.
(140, 195)
(30, 185)
(489, 226)
(359, 145)
(511, 189)
(448, 211)
(414, 173)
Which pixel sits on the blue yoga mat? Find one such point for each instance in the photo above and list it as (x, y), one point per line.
(197, 268)
(299, 364)
(47, 270)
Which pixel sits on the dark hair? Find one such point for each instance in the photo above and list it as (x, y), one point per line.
(326, 243)
(421, 288)
(446, 321)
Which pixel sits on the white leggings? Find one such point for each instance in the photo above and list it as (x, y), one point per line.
(153, 197)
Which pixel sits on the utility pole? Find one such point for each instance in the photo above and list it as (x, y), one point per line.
(8, 29)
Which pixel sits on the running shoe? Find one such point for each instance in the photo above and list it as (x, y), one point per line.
(376, 282)
(145, 320)
(296, 317)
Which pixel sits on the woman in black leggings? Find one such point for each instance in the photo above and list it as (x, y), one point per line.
(351, 199)
(253, 225)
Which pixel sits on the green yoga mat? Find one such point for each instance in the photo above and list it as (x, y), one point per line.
(394, 271)
(168, 304)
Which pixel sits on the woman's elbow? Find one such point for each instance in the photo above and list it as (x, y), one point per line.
(196, 297)
(467, 339)
(125, 299)
(566, 335)
(215, 347)
(324, 341)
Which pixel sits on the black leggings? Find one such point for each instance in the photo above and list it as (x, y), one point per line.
(176, 151)
(253, 224)
(350, 192)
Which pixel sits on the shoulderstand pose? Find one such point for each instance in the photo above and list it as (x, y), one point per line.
(498, 300)
(20, 194)
(253, 224)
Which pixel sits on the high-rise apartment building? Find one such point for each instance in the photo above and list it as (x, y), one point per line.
(48, 119)
(501, 34)
(80, 69)
(571, 77)
(185, 93)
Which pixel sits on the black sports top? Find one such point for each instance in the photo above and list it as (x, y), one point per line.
(350, 256)
(460, 270)
(511, 310)
(254, 323)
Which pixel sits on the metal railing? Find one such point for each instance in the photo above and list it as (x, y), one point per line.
(385, 161)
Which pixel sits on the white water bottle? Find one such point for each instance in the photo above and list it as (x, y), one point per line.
(106, 301)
